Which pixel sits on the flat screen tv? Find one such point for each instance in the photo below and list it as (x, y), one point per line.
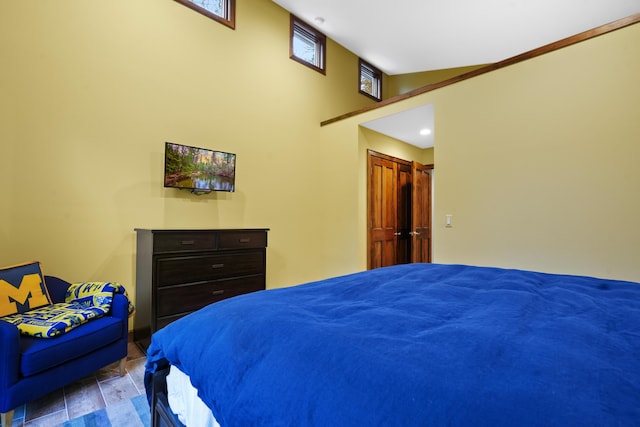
(198, 169)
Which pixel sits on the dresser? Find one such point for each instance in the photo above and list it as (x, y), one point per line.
(180, 271)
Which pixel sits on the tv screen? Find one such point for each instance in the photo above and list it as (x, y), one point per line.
(198, 169)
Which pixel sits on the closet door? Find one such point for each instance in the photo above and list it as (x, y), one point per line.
(382, 212)
(421, 213)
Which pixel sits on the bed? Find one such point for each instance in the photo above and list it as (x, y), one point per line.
(415, 344)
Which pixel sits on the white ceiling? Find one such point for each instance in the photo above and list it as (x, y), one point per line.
(406, 126)
(406, 36)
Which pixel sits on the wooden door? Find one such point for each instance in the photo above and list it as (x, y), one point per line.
(421, 213)
(382, 212)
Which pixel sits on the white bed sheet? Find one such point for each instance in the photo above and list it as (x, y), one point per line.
(185, 403)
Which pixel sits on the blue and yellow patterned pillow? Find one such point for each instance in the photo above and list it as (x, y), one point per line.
(22, 288)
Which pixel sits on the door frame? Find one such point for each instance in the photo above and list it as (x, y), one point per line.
(375, 154)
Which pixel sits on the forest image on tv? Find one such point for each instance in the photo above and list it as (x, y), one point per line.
(198, 168)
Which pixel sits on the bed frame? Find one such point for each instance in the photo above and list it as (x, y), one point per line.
(161, 414)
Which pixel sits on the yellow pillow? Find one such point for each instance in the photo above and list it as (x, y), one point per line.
(22, 288)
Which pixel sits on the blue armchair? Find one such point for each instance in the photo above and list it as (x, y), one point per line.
(33, 367)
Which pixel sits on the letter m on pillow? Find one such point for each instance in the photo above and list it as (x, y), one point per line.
(22, 288)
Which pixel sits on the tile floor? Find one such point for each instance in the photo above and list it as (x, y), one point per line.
(89, 394)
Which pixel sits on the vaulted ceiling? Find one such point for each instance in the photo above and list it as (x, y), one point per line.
(406, 36)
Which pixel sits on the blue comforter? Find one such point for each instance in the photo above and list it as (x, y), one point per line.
(417, 345)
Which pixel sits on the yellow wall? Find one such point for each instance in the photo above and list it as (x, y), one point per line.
(403, 83)
(7, 135)
(538, 162)
(92, 90)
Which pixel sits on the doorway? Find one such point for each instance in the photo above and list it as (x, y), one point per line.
(398, 211)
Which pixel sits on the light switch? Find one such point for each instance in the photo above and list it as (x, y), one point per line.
(448, 220)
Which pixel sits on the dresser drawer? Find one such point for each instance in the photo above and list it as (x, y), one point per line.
(176, 299)
(242, 239)
(184, 241)
(201, 268)
(161, 322)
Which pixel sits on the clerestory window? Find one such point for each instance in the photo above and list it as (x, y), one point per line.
(308, 46)
(370, 80)
(223, 11)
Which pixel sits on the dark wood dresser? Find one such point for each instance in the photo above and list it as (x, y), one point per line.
(180, 271)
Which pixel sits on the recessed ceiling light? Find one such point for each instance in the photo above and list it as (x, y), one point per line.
(425, 132)
(319, 20)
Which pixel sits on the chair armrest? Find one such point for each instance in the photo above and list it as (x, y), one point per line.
(10, 354)
(120, 311)
(120, 306)
(57, 288)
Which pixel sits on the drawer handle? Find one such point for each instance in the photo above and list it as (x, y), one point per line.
(245, 240)
(218, 292)
(188, 242)
(217, 266)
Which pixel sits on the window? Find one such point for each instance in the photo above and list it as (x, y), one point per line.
(223, 11)
(370, 81)
(308, 46)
